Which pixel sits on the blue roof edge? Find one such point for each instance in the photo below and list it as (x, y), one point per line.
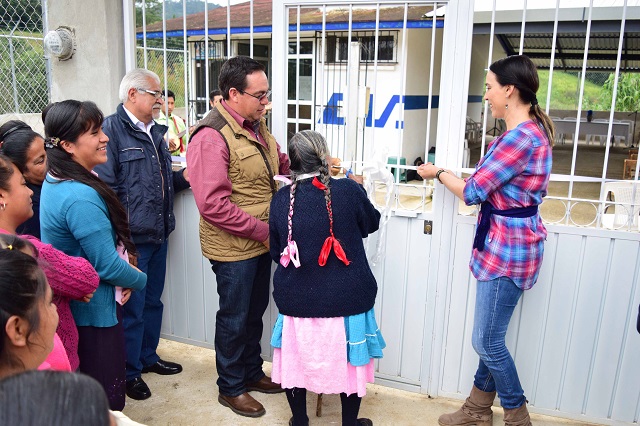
(337, 26)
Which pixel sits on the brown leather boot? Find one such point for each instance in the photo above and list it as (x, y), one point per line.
(476, 410)
(517, 416)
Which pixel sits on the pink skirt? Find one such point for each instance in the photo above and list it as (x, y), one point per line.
(314, 356)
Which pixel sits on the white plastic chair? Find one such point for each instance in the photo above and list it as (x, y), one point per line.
(627, 139)
(465, 155)
(601, 138)
(473, 130)
(559, 136)
(572, 118)
(626, 209)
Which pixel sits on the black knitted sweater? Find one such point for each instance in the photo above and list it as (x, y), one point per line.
(333, 290)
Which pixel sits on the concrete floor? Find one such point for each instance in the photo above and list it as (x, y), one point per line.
(190, 398)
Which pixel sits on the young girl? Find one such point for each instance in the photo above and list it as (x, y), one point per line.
(27, 314)
(82, 216)
(326, 336)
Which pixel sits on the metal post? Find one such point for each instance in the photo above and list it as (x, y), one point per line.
(45, 30)
(13, 70)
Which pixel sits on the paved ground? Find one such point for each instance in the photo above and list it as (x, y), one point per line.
(190, 398)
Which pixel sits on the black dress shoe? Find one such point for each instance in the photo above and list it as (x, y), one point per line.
(138, 389)
(165, 368)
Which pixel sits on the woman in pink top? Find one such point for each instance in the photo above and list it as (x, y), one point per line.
(69, 277)
(28, 317)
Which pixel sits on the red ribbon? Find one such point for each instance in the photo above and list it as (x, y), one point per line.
(316, 182)
(337, 248)
(331, 241)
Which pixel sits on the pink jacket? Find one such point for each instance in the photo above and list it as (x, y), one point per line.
(57, 359)
(70, 278)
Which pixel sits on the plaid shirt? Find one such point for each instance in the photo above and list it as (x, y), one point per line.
(513, 173)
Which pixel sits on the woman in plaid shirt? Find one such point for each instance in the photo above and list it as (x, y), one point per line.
(509, 182)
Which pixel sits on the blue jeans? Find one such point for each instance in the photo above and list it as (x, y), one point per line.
(243, 287)
(142, 318)
(495, 302)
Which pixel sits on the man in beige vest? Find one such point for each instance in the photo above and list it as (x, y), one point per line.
(232, 158)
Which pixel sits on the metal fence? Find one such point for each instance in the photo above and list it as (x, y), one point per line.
(566, 90)
(175, 71)
(23, 70)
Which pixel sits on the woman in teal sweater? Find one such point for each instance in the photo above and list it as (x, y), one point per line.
(81, 216)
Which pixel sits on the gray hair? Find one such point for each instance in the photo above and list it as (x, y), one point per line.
(308, 152)
(137, 78)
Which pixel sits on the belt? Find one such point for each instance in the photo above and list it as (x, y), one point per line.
(486, 210)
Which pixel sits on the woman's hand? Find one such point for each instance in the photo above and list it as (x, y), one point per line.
(357, 178)
(174, 144)
(87, 297)
(126, 294)
(133, 260)
(334, 163)
(427, 170)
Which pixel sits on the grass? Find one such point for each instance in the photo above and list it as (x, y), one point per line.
(565, 91)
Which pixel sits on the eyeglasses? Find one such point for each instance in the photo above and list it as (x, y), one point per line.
(265, 95)
(156, 94)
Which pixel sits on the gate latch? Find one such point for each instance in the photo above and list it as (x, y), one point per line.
(428, 227)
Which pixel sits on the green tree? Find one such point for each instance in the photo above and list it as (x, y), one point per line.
(628, 96)
(153, 11)
(26, 13)
(172, 9)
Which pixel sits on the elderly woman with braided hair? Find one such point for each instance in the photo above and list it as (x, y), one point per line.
(326, 336)
(509, 182)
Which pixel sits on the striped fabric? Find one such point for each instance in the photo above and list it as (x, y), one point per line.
(514, 173)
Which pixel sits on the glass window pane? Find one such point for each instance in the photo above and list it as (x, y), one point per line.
(259, 51)
(385, 48)
(306, 84)
(305, 112)
(343, 48)
(306, 47)
(291, 80)
(330, 43)
(291, 130)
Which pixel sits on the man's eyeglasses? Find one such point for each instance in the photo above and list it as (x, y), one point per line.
(265, 95)
(156, 94)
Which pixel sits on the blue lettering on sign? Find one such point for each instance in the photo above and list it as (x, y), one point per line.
(331, 112)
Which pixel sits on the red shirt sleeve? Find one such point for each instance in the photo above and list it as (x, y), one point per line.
(208, 165)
